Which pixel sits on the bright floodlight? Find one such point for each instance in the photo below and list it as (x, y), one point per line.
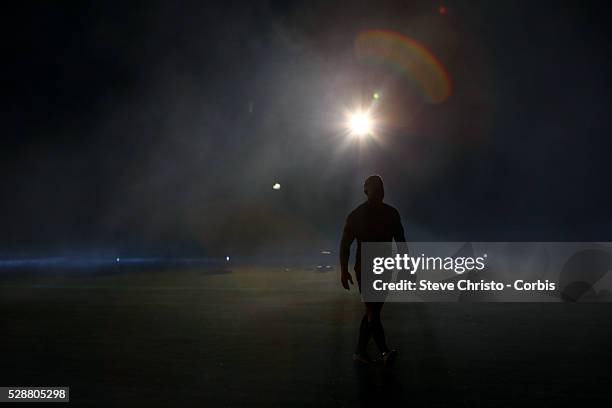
(360, 123)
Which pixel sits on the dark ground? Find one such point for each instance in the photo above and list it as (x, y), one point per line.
(273, 337)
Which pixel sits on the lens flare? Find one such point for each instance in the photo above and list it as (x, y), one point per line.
(360, 123)
(407, 57)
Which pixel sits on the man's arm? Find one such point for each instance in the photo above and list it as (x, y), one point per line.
(348, 236)
(400, 240)
(398, 235)
(398, 229)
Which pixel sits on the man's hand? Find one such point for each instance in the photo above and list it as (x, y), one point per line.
(345, 278)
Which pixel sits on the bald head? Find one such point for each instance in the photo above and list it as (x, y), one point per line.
(374, 189)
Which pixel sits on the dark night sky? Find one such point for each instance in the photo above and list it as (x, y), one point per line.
(158, 126)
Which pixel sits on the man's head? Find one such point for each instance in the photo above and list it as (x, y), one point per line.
(374, 189)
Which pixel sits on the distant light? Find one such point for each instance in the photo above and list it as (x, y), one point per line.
(360, 123)
(227, 258)
(442, 10)
(326, 252)
(118, 259)
(376, 95)
(276, 186)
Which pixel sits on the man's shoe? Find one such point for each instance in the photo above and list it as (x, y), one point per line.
(389, 357)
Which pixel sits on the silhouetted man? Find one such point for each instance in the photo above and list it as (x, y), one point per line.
(372, 221)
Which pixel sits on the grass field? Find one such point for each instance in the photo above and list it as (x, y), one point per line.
(277, 337)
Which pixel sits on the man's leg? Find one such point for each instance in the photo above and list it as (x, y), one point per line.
(361, 353)
(364, 336)
(377, 331)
